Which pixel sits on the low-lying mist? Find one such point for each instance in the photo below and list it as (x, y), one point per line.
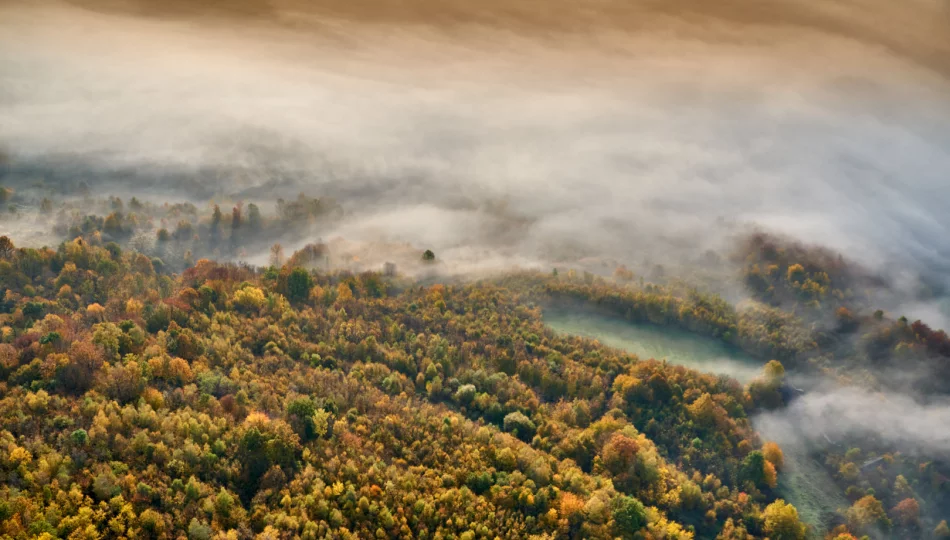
(836, 415)
(639, 144)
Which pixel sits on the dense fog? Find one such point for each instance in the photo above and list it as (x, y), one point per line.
(501, 144)
(850, 411)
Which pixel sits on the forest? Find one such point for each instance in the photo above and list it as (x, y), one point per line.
(149, 391)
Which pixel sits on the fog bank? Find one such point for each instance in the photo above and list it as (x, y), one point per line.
(499, 136)
(894, 420)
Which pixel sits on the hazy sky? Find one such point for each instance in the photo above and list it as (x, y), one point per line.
(627, 130)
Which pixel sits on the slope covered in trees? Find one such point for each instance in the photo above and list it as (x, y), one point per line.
(897, 488)
(147, 393)
(279, 402)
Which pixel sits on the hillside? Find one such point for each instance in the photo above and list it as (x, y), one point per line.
(281, 402)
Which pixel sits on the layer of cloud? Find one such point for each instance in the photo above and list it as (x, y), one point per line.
(641, 143)
(895, 420)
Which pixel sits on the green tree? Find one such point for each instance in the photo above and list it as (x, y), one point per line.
(199, 530)
(254, 220)
(265, 443)
(216, 217)
(465, 394)
(753, 469)
(629, 516)
(520, 425)
(299, 283)
(306, 420)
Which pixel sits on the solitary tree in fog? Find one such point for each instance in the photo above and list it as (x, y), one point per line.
(254, 221)
(236, 218)
(215, 223)
(235, 226)
(277, 255)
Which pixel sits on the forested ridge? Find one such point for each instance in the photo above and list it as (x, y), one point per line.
(896, 490)
(240, 401)
(148, 392)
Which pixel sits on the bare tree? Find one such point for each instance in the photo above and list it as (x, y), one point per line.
(277, 255)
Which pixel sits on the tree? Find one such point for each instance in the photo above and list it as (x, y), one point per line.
(6, 247)
(265, 443)
(249, 298)
(867, 513)
(773, 454)
(302, 414)
(299, 283)
(113, 225)
(254, 221)
(733, 530)
(765, 390)
(796, 273)
(184, 231)
(706, 411)
(105, 486)
(465, 394)
(619, 454)
(224, 503)
(520, 425)
(79, 437)
(215, 224)
(769, 474)
(199, 530)
(846, 320)
(79, 373)
(428, 256)
(235, 218)
(235, 226)
(907, 513)
(30, 262)
(308, 256)
(629, 516)
(753, 469)
(277, 255)
(774, 372)
(782, 523)
(124, 383)
(343, 294)
(152, 523)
